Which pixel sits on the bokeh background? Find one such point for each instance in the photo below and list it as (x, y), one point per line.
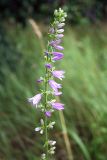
(84, 88)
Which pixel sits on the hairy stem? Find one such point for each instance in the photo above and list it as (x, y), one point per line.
(46, 99)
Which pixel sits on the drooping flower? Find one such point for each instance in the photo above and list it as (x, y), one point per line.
(37, 129)
(55, 42)
(58, 74)
(57, 56)
(55, 86)
(40, 129)
(57, 93)
(58, 47)
(51, 142)
(51, 30)
(60, 25)
(60, 31)
(58, 36)
(51, 124)
(35, 100)
(57, 105)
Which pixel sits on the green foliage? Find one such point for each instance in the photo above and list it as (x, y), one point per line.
(17, 10)
(16, 118)
(84, 87)
(79, 142)
(78, 11)
(84, 11)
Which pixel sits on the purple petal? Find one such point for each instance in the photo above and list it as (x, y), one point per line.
(59, 36)
(57, 53)
(39, 80)
(60, 25)
(48, 113)
(58, 106)
(35, 100)
(56, 42)
(54, 85)
(56, 93)
(57, 56)
(51, 30)
(58, 47)
(48, 65)
(58, 74)
(46, 53)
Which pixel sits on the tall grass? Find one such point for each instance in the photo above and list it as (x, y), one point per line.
(84, 90)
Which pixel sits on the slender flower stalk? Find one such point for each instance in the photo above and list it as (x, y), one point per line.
(44, 100)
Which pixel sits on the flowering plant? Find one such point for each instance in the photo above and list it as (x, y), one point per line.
(51, 87)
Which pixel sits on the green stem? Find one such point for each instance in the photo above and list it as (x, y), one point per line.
(46, 99)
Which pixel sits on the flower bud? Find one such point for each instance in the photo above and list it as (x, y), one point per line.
(60, 25)
(59, 36)
(41, 131)
(52, 143)
(37, 129)
(51, 30)
(55, 12)
(62, 19)
(42, 122)
(60, 31)
(51, 124)
(43, 156)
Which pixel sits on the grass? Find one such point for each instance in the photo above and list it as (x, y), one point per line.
(84, 95)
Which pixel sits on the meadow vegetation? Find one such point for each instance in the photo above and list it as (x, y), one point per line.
(84, 93)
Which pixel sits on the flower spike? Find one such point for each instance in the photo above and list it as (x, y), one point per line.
(51, 88)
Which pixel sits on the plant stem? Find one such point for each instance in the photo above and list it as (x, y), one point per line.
(46, 134)
(46, 99)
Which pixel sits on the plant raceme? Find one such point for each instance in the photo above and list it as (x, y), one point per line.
(51, 89)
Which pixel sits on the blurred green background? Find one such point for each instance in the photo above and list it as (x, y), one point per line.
(84, 88)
